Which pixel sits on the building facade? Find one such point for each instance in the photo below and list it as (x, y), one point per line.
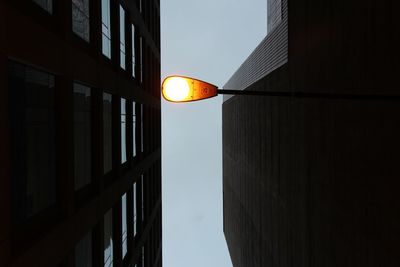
(80, 120)
(310, 177)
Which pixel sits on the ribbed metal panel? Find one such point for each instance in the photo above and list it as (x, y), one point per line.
(274, 14)
(269, 55)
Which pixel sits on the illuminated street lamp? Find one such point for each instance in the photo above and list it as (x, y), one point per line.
(184, 89)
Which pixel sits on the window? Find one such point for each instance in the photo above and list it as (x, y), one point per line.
(141, 58)
(143, 257)
(123, 130)
(134, 210)
(134, 129)
(122, 36)
(108, 241)
(141, 129)
(80, 18)
(106, 28)
(133, 50)
(45, 4)
(32, 134)
(107, 132)
(83, 251)
(124, 227)
(142, 199)
(82, 136)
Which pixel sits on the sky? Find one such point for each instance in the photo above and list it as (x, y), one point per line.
(208, 40)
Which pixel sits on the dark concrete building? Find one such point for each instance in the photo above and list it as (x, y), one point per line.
(310, 176)
(80, 159)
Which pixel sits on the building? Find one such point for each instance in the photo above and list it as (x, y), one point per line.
(310, 177)
(80, 160)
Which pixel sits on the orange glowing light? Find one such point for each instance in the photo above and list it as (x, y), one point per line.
(185, 89)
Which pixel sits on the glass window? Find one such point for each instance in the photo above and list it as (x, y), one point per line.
(106, 28)
(134, 210)
(134, 129)
(45, 4)
(83, 251)
(108, 241)
(123, 130)
(107, 132)
(33, 152)
(124, 228)
(82, 136)
(80, 18)
(133, 50)
(141, 58)
(141, 129)
(142, 190)
(143, 256)
(122, 36)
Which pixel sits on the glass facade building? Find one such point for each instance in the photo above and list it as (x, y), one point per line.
(80, 165)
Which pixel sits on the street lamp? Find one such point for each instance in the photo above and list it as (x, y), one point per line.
(185, 89)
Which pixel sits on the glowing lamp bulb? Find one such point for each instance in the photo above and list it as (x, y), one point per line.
(176, 89)
(184, 89)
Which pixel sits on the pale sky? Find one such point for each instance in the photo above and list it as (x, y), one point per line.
(206, 39)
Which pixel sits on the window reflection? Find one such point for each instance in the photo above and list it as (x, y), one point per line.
(133, 50)
(141, 58)
(124, 228)
(45, 4)
(108, 241)
(83, 252)
(142, 196)
(141, 129)
(107, 132)
(123, 130)
(33, 140)
(143, 263)
(133, 129)
(80, 18)
(134, 210)
(122, 36)
(82, 135)
(106, 28)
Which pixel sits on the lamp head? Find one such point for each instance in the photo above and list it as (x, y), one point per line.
(185, 89)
